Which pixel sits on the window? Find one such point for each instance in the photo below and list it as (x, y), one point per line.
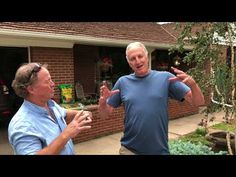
(162, 61)
(111, 65)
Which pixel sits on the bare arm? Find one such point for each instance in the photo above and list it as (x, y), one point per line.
(194, 96)
(104, 109)
(78, 124)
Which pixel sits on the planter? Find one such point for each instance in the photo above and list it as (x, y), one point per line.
(219, 140)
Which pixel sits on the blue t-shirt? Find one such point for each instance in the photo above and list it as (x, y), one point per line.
(32, 129)
(145, 102)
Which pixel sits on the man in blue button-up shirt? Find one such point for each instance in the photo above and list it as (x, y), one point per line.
(39, 126)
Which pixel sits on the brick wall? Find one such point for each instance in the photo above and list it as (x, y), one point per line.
(60, 65)
(102, 126)
(115, 122)
(180, 109)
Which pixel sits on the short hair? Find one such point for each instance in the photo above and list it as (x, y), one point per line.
(25, 75)
(135, 45)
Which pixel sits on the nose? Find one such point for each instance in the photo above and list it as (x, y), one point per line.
(137, 60)
(52, 83)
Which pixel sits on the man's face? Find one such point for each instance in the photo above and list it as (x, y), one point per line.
(138, 61)
(43, 88)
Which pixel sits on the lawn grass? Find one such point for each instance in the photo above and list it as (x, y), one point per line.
(224, 126)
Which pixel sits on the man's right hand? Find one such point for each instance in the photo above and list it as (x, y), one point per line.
(78, 124)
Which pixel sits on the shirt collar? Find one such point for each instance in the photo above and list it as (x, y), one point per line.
(36, 108)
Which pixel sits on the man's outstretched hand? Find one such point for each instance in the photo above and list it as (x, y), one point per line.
(182, 77)
(105, 92)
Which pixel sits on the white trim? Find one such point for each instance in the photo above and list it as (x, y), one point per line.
(19, 41)
(21, 38)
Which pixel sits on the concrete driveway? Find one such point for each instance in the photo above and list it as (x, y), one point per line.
(5, 147)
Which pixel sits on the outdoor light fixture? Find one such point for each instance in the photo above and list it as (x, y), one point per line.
(177, 61)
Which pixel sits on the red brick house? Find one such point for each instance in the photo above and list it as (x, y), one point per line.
(74, 51)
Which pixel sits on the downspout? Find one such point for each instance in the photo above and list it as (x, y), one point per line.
(150, 50)
(29, 55)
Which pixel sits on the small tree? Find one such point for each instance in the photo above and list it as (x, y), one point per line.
(214, 74)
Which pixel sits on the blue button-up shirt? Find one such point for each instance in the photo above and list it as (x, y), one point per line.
(32, 129)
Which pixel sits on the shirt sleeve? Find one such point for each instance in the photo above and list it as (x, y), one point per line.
(177, 89)
(27, 145)
(25, 141)
(115, 100)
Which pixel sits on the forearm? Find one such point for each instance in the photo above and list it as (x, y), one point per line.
(56, 146)
(197, 96)
(104, 109)
(194, 96)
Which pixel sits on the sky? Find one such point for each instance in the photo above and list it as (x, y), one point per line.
(163, 22)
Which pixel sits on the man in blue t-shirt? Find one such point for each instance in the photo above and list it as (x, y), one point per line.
(39, 126)
(144, 95)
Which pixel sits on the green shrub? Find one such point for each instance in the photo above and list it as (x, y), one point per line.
(89, 101)
(196, 137)
(201, 131)
(178, 147)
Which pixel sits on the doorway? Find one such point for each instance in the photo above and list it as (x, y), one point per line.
(10, 59)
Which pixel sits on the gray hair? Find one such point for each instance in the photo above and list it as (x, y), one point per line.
(135, 45)
(25, 75)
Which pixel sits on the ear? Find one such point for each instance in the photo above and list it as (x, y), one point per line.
(30, 89)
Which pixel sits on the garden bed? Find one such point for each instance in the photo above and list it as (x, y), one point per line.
(195, 143)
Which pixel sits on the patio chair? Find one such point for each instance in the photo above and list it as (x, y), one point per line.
(80, 95)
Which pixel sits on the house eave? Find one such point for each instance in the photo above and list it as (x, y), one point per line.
(21, 38)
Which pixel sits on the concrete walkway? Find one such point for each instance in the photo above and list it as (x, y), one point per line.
(109, 145)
